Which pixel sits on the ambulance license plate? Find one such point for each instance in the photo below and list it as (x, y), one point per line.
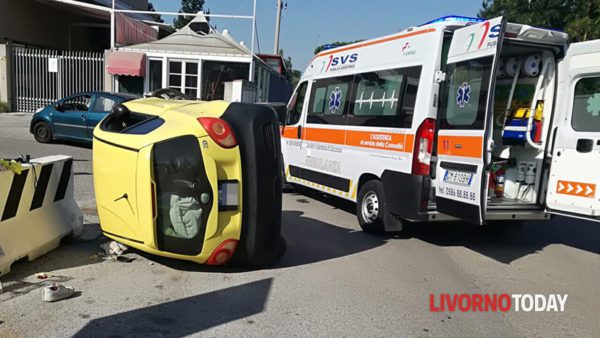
(457, 177)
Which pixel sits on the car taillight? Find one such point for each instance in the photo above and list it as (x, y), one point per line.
(219, 131)
(223, 253)
(423, 148)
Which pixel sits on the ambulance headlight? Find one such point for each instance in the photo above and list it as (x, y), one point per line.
(512, 66)
(531, 67)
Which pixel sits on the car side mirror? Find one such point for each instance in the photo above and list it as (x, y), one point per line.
(59, 107)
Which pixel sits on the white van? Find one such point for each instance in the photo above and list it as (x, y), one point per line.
(459, 118)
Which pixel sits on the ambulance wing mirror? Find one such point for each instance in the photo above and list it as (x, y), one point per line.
(439, 76)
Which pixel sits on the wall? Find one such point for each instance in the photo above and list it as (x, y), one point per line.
(5, 90)
(37, 24)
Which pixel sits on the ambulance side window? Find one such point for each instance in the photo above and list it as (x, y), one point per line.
(385, 98)
(465, 94)
(296, 104)
(329, 100)
(586, 105)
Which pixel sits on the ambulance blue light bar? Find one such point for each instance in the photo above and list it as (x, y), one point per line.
(459, 18)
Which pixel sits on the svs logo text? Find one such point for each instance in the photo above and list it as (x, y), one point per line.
(342, 62)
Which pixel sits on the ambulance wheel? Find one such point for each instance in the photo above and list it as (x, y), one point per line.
(42, 132)
(370, 207)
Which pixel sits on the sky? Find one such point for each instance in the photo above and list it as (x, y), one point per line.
(306, 24)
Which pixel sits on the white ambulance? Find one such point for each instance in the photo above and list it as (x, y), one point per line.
(459, 118)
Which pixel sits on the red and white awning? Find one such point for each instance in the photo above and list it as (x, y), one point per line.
(126, 63)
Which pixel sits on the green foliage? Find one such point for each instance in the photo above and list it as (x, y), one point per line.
(4, 107)
(336, 44)
(579, 18)
(293, 75)
(188, 6)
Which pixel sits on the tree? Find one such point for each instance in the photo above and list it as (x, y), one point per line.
(579, 18)
(188, 6)
(292, 75)
(333, 45)
(156, 17)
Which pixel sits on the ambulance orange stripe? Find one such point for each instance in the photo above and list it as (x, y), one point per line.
(289, 132)
(335, 136)
(364, 139)
(465, 146)
(374, 42)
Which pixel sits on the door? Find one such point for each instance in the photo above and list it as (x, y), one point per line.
(102, 105)
(464, 138)
(574, 182)
(70, 119)
(291, 131)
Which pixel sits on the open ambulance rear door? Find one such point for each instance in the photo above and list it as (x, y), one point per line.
(464, 138)
(574, 183)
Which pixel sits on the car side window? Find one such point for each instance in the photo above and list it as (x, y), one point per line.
(77, 103)
(103, 104)
(296, 105)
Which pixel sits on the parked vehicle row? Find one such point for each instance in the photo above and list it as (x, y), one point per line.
(74, 117)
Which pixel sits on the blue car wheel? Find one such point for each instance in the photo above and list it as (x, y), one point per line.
(42, 132)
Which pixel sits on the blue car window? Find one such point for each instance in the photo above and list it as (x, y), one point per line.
(103, 104)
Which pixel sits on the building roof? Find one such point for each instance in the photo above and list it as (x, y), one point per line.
(187, 41)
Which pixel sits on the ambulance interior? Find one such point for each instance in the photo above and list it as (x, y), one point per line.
(523, 99)
(522, 111)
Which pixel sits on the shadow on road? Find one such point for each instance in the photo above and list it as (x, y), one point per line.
(72, 253)
(508, 245)
(502, 242)
(308, 241)
(186, 316)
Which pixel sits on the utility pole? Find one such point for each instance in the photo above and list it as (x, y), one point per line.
(112, 26)
(277, 27)
(251, 73)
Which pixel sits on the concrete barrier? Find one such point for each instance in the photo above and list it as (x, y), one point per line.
(37, 209)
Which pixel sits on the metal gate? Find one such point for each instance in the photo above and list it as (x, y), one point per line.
(42, 76)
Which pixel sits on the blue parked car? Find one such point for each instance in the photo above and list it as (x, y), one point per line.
(74, 117)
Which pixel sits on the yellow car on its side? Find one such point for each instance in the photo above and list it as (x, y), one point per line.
(198, 181)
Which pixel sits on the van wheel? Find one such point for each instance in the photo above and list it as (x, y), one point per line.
(370, 207)
(42, 132)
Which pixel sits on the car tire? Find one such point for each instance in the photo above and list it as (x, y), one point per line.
(371, 209)
(42, 132)
(169, 94)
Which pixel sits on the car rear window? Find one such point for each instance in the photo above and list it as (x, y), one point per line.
(133, 123)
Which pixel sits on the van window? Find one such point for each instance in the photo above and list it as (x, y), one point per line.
(386, 98)
(296, 104)
(586, 105)
(465, 94)
(330, 99)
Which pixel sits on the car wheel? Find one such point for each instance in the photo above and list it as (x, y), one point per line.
(42, 132)
(371, 209)
(169, 94)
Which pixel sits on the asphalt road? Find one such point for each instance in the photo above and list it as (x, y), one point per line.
(334, 280)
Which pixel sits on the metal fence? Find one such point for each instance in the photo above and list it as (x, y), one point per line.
(42, 76)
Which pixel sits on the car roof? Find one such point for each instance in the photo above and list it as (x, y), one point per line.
(121, 95)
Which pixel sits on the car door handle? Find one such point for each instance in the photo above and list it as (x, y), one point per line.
(299, 132)
(585, 145)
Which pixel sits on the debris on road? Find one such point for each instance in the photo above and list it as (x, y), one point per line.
(113, 248)
(56, 292)
(42, 275)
